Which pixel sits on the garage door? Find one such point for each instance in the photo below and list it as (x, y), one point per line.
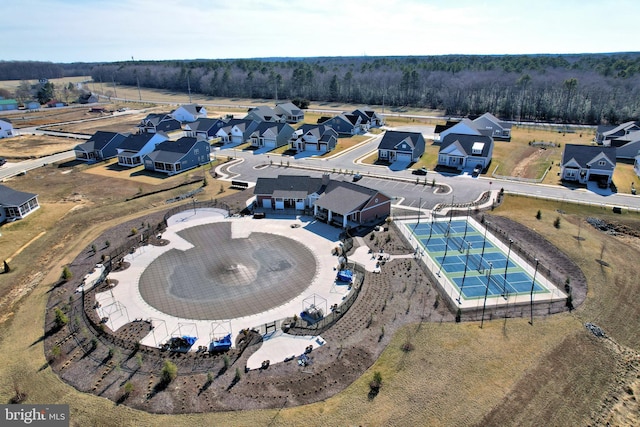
(300, 205)
(266, 203)
(271, 143)
(403, 157)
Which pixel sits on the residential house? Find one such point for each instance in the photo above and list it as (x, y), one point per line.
(397, 146)
(263, 113)
(6, 128)
(16, 205)
(54, 103)
(101, 146)
(607, 134)
(189, 113)
(341, 203)
(172, 157)
(236, 131)
(271, 135)
(314, 138)
(369, 119)
(32, 105)
(289, 112)
(344, 124)
(629, 149)
(203, 128)
(462, 152)
(8, 104)
(584, 163)
(487, 125)
(132, 149)
(154, 123)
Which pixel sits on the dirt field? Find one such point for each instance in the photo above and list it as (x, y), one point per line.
(34, 146)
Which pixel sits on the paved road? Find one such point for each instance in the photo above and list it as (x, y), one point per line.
(409, 190)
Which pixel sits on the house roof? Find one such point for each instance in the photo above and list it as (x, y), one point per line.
(265, 126)
(203, 124)
(584, 154)
(288, 108)
(285, 184)
(11, 197)
(8, 101)
(264, 112)
(392, 138)
(465, 143)
(172, 151)
(136, 142)
(168, 125)
(619, 128)
(343, 197)
(100, 139)
(194, 109)
(494, 119)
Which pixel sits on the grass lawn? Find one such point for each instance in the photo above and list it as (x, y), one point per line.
(508, 373)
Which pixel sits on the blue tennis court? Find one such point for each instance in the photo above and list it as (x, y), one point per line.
(474, 265)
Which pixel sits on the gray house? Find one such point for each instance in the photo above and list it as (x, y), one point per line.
(461, 151)
(16, 205)
(314, 138)
(608, 134)
(203, 128)
(289, 112)
(236, 131)
(263, 113)
(172, 157)
(584, 163)
(397, 146)
(101, 146)
(271, 135)
(344, 124)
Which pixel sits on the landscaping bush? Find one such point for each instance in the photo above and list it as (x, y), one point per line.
(169, 372)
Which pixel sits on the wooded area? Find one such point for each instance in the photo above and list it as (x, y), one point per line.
(584, 88)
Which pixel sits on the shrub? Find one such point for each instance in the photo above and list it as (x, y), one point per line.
(61, 318)
(556, 222)
(128, 388)
(376, 382)
(458, 316)
(66, 273)
(56, 351)
(134, 231)
(237, 376)
(169, 372)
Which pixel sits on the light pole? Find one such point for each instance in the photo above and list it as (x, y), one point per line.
(194, 205)
(464, 275)
(533, 284)
(486, 291)
(504, 283)
(484, 240)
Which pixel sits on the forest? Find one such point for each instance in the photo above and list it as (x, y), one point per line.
(579, 88)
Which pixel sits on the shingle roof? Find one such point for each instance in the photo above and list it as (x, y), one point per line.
(392, 138)
(136, 142)
(288, 184)
(11, 197)
(172, 151)
(583, 154)
(203, 124)
(465, 143)
(100, 139)
(344, 197)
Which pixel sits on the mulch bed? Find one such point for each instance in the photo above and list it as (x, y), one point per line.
(96, 360)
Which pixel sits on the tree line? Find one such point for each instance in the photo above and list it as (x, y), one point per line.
(581, 88)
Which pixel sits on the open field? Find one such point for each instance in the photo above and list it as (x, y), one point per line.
(508, 373)
(34, 146)
(58, 83)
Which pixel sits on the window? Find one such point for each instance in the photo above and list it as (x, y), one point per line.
(602, 163)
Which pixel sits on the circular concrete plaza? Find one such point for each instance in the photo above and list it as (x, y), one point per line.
(222, 277)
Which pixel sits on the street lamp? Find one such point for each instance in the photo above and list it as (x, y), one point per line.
(533, 284)
(484, 240)
(486, 292)
(504, 283)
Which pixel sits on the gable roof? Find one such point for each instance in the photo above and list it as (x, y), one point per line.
(285, 184)
(464, 143)
(265, 126)
(392, 138)
(172, 151)
(137, 141)
(11, 197)
(194, 109)
(343, 197)
(100, 139)
(263, 112)
(288, 108)
(168, 125)
(583, 155)
(203, 124)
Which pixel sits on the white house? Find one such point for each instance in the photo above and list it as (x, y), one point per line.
(465, 151)
(189, 113)
(6, 129)
(16, 204)
(134, 147)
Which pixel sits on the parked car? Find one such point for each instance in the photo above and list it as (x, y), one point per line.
(421, 171)
(357, 177)
(477, 170)
(2, 161)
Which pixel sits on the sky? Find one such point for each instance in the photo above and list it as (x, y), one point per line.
(117, 30)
